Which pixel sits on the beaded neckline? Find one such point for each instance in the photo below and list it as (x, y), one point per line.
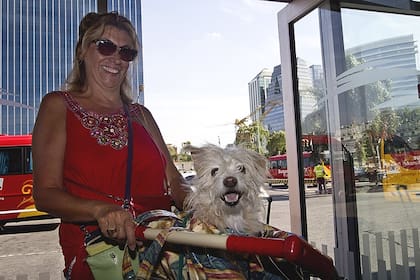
(108, 129)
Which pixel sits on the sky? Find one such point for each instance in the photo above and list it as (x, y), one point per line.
(198, 57)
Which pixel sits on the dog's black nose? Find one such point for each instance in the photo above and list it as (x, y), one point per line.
(230, 181)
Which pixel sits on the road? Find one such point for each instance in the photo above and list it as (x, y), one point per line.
(33, 250)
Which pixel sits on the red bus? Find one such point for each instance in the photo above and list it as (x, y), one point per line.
(315, 148)
(16, 202)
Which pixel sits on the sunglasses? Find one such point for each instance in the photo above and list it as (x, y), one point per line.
(107, 48)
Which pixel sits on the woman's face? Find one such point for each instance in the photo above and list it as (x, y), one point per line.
(107, 71)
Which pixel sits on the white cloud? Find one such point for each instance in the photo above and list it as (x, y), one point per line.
(214, 35)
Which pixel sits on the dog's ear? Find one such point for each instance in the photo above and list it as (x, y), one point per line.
(198, 156)
(259, 160)
(193, 150)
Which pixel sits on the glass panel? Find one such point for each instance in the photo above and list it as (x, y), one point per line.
(10, 161)
(379, 113)
(315, 144)
(29, 162)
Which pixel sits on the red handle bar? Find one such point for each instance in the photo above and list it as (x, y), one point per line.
(293, 249)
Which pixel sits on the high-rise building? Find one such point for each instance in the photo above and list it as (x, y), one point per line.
(257, 89)
(317, 75)
(274, 118)
(37, 49)
(307, 98)
(397, 55)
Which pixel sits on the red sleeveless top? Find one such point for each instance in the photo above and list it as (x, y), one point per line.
(95, 164)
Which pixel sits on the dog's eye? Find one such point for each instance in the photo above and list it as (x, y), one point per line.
(241, 168)
(214, 171)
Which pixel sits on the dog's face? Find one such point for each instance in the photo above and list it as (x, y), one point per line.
(227, 187)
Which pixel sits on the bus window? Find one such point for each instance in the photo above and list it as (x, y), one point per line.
(4, 162)
(283, 164)
(10, 161)
(273, 164)
(309, 162)
(28, 160)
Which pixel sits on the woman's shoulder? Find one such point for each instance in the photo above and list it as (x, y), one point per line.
(54, 99)
(63, 99)
(139, 108)
(51, 114)
(141, 113)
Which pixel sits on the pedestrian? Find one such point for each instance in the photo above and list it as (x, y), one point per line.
(80, 146)
(320, 177)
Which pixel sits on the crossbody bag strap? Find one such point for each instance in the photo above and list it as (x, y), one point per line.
(149, 131)
(127, 195)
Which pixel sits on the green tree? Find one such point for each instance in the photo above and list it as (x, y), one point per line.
(173, 151)
(184, 155)
(407, 118)
(276, 143)
(254, 137)
(384, 125)
(360, 151)
(364, 99)
(315, 123)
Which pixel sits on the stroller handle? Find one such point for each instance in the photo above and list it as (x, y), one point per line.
(294, 249)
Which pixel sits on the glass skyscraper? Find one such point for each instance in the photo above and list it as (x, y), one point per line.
(257, 90)
(274, 119)
(38, 39)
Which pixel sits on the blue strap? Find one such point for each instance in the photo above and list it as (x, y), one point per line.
(127, 196)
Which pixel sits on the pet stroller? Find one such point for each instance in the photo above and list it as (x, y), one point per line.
(177, 253)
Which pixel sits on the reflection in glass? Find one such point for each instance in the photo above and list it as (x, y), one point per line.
(314, 138)
(379, 116)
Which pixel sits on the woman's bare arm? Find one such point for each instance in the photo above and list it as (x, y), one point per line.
(48, 147)
(178, 187)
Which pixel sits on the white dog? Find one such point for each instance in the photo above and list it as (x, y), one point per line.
(227, 188)
(226, 199)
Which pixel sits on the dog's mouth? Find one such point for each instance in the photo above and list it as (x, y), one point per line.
(231, 198)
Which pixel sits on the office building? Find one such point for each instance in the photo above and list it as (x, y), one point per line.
(307, 98)
(38, 39)
(257, 89)
(274, 118)
(396, 53)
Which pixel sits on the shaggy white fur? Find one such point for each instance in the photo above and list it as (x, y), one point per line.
(227, 188)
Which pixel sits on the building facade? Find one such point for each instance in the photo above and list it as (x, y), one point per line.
(257, 89)
(398, 53)
(38, 40)
(307, 98)
(274, 118)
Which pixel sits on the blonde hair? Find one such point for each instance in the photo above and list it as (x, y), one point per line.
(91, 28)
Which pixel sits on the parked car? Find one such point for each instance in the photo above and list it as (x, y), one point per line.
(361, 174)
(188, 175)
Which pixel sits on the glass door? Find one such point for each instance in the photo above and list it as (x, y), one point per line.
(379, 114)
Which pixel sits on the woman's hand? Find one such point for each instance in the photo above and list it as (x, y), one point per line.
(117, 223)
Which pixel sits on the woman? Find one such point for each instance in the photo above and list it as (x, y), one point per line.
(80, 145)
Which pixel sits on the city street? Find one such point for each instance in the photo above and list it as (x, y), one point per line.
(33, 250)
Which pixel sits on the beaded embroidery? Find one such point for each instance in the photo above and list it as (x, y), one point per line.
(108, 129)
